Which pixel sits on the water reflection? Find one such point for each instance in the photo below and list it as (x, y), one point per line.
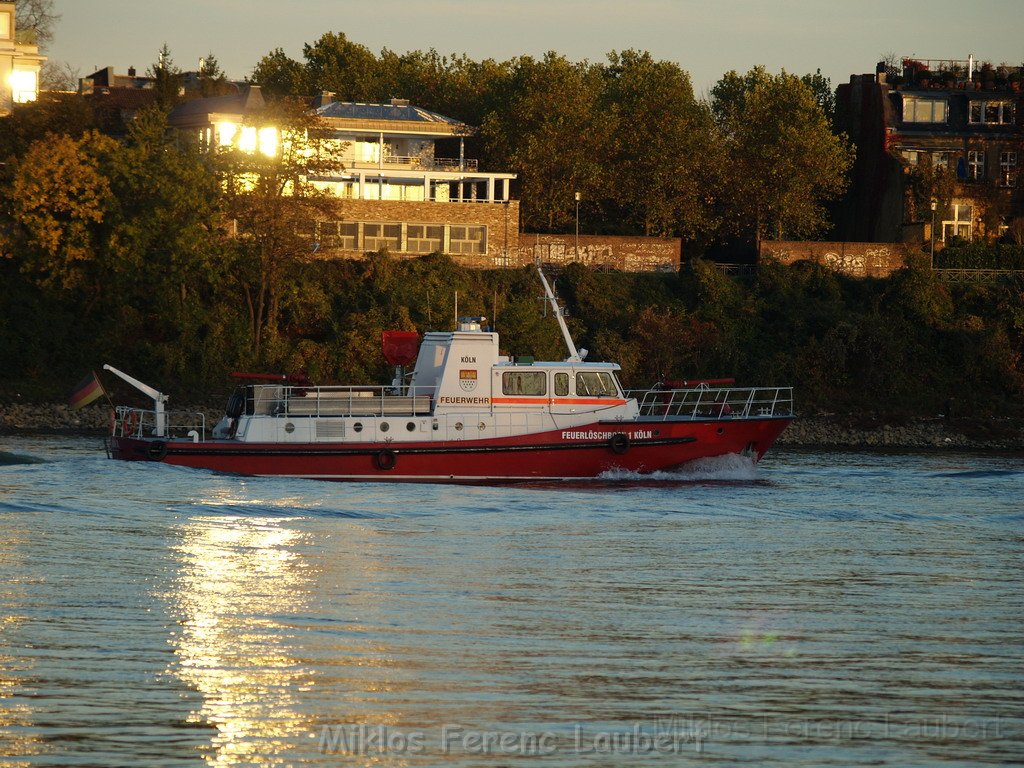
(240, 586)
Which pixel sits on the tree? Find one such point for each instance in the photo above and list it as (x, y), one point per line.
(821, 87)
(551, 130)
(349, 70)
(37, 16)
(59, 199)
(168, 77)
(57, 76)
(212, 80)
(783, 160)
(279, 75)
(663, 149)
(268, 195)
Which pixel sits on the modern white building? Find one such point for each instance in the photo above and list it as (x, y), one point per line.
(19, 62)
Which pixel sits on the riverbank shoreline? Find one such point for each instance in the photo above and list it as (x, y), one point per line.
(864, 432)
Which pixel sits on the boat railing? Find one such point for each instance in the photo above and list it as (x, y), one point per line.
(139, 422)
(705, 402)
(338, 401)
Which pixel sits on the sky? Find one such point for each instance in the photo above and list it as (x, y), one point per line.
(707, 38)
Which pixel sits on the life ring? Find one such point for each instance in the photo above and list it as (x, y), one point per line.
(618, 443)
(386, 460)
(157, 451)
(129, 423)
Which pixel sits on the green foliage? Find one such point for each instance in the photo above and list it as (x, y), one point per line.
(783, 160)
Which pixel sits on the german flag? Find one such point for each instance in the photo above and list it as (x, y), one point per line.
(87, 390)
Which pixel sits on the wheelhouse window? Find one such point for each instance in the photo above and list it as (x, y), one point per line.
(561, 384)
(975, 165)
(595, 384)
(1008, 169)
(991, 112)
(917, 109)
(530, 383)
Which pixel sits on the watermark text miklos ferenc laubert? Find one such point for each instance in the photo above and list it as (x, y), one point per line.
(665, 735)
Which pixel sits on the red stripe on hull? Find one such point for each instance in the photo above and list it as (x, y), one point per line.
(652, 447)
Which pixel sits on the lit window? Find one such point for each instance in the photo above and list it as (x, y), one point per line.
(247, 140)
(268, 141)
(975, 165)
(24, 86)
(226, 134)
(991, 112)
(917, 109)
(5, 26)
(940, 160)
(1008, 169)
(959, 225)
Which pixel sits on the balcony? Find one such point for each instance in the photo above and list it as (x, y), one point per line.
(416, 163)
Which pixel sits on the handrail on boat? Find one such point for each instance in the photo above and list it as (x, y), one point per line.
(705, 403)
(279, 400)
(141, 422)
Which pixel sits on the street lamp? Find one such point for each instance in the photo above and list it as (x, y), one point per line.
(934, 206)
(577, 226)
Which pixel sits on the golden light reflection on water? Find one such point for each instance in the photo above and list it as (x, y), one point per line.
(240, 582)
(16, 734)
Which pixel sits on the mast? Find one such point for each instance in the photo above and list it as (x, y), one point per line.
(574, 355)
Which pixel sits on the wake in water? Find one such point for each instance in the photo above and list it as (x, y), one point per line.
(731, 467)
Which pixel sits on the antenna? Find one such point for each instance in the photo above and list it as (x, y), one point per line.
(574, 355)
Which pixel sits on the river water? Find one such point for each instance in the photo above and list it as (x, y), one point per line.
(820, 609)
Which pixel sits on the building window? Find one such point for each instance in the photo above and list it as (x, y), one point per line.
(24, 85)
(921, 110)
(1008, 169)
(991, 112)
(5, 26)
(377, 236)
(467, 240)
(424, 238)
(959, 225)
(976, 165)
(532, 383)
(940, 161)
(910, 156)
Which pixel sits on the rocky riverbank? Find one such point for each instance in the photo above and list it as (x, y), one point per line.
(833, 432)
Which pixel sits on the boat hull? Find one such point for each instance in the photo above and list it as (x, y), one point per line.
(581, 452)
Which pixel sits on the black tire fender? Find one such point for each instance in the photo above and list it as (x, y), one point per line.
(157, 451)
(619, 444)
(385, 460)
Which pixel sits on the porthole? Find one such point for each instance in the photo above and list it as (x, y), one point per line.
(384, 427)
(482, 426)
(357, 427)
(289, 427)
(411, 426)
(721, 430)
(458, 426)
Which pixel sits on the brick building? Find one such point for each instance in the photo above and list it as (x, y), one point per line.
(394, 191)
(936, 140)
